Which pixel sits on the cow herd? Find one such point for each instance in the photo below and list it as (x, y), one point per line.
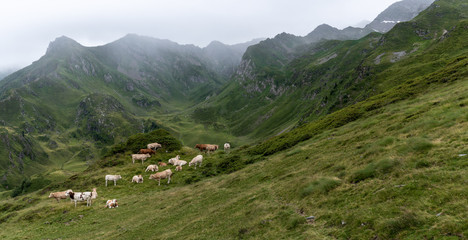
(142, 155)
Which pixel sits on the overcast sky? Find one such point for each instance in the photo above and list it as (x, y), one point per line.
(28, 26)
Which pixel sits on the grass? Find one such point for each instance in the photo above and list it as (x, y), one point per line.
(321, 186)
(388, 167)
(417, 193)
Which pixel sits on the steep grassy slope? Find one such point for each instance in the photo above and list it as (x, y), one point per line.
(396, 172)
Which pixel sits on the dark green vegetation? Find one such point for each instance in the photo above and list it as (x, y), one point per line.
(375, 149)
(61, 113)
(381, 176)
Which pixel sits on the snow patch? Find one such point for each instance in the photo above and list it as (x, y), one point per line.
(385, 21)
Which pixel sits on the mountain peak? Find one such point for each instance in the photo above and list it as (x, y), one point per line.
(215, 44)
(401, 11)
(61, 45)
(324, 26)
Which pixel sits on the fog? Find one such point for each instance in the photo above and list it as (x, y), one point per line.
(29, 25)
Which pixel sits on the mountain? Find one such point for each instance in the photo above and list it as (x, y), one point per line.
(5, 73)
(392, 165)
(401, 11)
(289, 78)
(65, 108)
(225, 58)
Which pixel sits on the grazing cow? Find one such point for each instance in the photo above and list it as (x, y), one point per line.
(178, 168)
(137, 179)
(141, 157)
(176, 162)
(152, 168)
(227, 146)
(196, 160)
(201, 147)
(93, 195)
(80, 197)
(154, 146)
(162, 175)
(207, 147)
(173, 159)
(211, 148)
(113, 178)
(112, 203)
(146, 151)
(59, 195)
(162, 164)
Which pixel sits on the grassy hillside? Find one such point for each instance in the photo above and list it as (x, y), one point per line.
(62, 112)
(306, 82)
(397, 172)
(372, 141)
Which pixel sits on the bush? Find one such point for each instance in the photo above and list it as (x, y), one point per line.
(320, 186)
(420, 144)
(386, 141)
(230, 164)
(192, 179)
(422, 164)
(138, 141)
(393, 226)
(22, 188)
(111, 162)
(294, 221)
(372, 170)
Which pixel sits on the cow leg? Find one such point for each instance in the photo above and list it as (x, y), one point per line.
(168, 179)
(159, 182)
(115, 182)
(106, 182)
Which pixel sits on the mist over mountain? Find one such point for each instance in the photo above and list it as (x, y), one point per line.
(332, 136)
(398, 12)
(272, 73)
(109, 92)
(106, 93)
(5, 73)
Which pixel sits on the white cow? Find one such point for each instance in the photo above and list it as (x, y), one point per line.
(196, 160)
(154, 146)
(152, 168)
(113, 178)
(141, 157)
(227, 146)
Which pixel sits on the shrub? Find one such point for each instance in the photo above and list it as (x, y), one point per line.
(372, 170)
(230, 164)
(320, 186)
(420, 144)
(386, 141)
(422, 164)
(294, 221)
(20, 189)
(111, 161)
(192, 179)
(393, 226)
(138, 141)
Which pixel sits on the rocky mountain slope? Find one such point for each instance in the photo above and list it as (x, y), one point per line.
(75, 100)
(401, 11)
(290, 78)
(392, 166)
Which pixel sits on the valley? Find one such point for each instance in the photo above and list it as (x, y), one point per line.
(340, 134)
